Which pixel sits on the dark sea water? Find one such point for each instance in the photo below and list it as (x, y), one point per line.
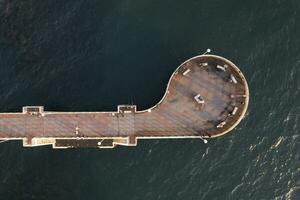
(91, 55)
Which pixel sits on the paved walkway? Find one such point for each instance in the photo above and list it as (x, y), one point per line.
(218, 81)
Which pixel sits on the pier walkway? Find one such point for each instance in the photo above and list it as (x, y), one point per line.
(206, 97)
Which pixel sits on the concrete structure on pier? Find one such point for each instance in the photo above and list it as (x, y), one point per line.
(206, 97)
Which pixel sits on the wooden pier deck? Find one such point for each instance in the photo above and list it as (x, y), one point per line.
(217, 81)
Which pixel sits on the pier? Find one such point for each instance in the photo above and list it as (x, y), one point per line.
(206, 97)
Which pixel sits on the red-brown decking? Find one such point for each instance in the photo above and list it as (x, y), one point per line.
(176, 115)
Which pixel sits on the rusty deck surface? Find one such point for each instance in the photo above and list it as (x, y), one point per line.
(178, 115)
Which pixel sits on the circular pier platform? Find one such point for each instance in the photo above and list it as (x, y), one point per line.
(207, 96)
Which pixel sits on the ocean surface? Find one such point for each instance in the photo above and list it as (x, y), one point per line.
(91, 55)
